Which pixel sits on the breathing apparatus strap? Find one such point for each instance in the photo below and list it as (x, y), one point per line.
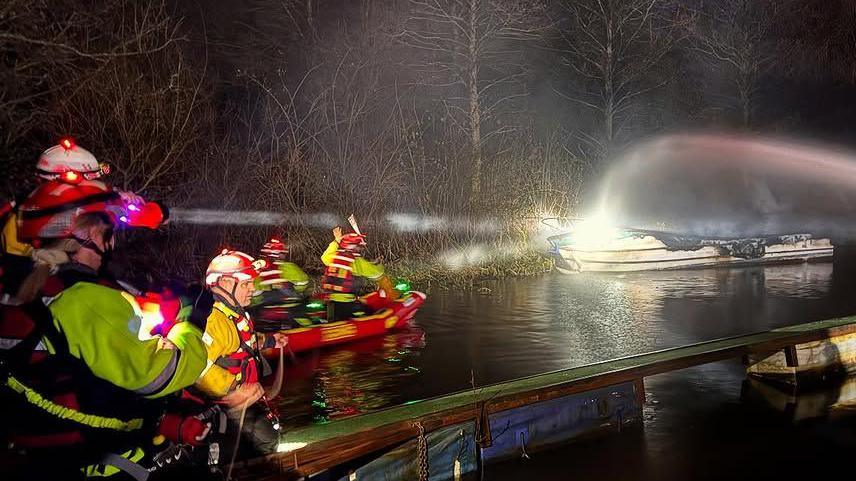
(229, 302)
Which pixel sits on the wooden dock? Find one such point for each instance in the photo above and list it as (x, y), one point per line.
(313, 449)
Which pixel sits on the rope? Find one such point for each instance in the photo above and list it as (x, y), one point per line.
(276, 387)
(237, 441)
(422, 452)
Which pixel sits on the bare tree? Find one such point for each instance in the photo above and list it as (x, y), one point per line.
(817, 37)
(472, 51)
(732, 38)
(65, 68)
(614, 50)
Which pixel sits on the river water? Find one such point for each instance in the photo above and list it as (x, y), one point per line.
(519, 327)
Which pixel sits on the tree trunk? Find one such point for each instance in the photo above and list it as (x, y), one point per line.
(745, 99)
(609, 90)
(475, 110)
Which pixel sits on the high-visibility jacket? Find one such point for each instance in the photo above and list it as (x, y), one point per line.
(97, 372)
(280, 273)
(341, 269)
(232, 351)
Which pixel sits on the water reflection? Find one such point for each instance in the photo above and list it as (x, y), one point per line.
(521, 327)
(325, 385)
(803, 405)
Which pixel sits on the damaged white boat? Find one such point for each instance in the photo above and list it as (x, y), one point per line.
(628, 250)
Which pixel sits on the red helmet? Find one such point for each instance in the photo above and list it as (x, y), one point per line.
(352, 242)
(234, 264)
(274, 249)
(51, 209)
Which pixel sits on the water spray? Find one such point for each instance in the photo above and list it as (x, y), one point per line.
(732, 186)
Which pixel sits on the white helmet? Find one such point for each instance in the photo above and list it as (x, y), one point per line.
(68, 157)
(232, 264)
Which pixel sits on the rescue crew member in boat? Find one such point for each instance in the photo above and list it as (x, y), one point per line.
(344, 265)
(279, 271)
(279, 288)
(235, 365)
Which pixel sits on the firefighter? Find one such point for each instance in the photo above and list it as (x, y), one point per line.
(66, 164)
(81, 389)
(279, 272)
(344, 264)
(278, 302)
(235, 365)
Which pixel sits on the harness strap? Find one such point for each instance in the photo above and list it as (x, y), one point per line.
(227, 362)
(131, 468)
(92, 199)
(62, 412)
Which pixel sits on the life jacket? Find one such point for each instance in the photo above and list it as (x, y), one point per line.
(19, 322)
(244, 362)
(271, 277)
(338, 277)
(54, 399)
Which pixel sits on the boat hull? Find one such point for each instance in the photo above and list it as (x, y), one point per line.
(647, 253)
(388, 315)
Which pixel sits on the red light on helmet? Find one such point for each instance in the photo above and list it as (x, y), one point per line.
(67, 143)
(71, 177)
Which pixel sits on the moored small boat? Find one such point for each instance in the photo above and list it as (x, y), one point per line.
(628, 250)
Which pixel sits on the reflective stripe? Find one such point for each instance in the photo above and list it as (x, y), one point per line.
(162, 379)
(375, 277)
(338, 297)
(7, 343)
(9, 300)
(133, 469)
(111, 464)
(343, 267)
(63, 412)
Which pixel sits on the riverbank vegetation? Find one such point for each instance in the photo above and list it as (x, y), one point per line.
(448, 127)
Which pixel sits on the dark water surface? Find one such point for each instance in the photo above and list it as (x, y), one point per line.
(522, 327)
(709, 423)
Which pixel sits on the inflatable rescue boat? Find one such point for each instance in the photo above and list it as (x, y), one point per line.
(386, 315)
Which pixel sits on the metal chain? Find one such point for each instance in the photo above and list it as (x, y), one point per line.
(422, 452)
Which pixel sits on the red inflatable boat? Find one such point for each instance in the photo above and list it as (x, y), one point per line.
(387, 315)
